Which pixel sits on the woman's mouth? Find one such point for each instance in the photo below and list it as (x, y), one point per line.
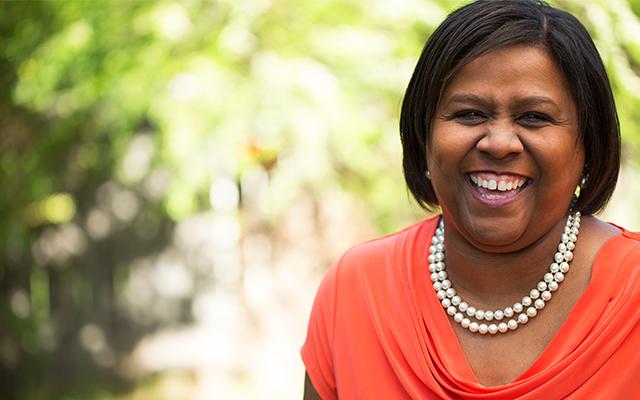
(495, 190)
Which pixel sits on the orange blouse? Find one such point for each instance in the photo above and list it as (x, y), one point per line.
(378, 331)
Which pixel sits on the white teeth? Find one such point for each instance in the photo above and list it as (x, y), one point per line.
(501, 186)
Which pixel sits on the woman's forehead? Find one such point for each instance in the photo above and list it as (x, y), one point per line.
(526, 74)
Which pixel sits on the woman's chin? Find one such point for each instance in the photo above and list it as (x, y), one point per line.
(496, 239)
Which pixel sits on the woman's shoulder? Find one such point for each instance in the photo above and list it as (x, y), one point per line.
(623, 238)
(629, 243)
(619, 247)
(631, 235)
(375, 259)
(399, 243)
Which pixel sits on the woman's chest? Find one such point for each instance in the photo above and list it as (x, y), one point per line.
(497, 361)
(500, 359)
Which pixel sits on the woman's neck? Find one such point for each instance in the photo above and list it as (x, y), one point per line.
(492, 280)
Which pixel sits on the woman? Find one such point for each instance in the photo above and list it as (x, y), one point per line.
(516, 291)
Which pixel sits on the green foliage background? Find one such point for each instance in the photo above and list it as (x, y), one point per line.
(118, 120)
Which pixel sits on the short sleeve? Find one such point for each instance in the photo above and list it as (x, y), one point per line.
(317, 352)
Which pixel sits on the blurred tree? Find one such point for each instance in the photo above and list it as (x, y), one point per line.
(123, 121)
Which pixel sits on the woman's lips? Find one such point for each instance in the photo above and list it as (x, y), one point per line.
(495, 190)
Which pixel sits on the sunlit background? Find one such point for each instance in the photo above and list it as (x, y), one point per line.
(177, 175)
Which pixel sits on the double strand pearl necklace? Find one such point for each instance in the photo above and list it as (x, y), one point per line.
(508, 318)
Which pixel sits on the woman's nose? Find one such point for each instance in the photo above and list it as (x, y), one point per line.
(500, 140)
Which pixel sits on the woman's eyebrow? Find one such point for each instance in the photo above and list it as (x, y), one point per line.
(530, 101)
(471, 99)
(521, 102)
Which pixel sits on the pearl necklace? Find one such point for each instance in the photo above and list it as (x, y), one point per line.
(508, 318)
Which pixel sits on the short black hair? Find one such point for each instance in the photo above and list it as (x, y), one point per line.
(486, 25)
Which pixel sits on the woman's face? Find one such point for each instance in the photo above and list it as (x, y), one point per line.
(505, 156)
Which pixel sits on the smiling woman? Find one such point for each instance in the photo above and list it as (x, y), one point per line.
(509, 128)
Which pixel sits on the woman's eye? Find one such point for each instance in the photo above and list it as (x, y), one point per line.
(534, 119)
(470, 117)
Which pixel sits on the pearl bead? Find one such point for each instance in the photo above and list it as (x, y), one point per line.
(564, 266)
(452, 310)
(465, 323)
(463, 306)
(548, 277)
(498, 315)
(439, 256)
(508, 312)
(471, 311)
(441, 294)
(558, 257)
(518, 307)
(571, 246)
(562, 247)
(546, 295)
(503, 327)
(431, 258)
(456, 300)
(480, 315)
(440, 266)
(483, 328)
(576, 224)
(526, 301)
(559, 277)
(575, 230)
(568, 255)
(542, 286)
(434, 240)
(554, 268)
(565, 238)
(532, 312)
(539, 304)
(553, 286)
(512, 324)
(534, 294)
(473, 327)
(488, 315)
(446, 302)
(439, 247)
(523, 319)
(573, 237)
(450, 292)
(437, 286)
(442, 275)
(446, 284)
(458, 317)
(434, 277)
(493, 329)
